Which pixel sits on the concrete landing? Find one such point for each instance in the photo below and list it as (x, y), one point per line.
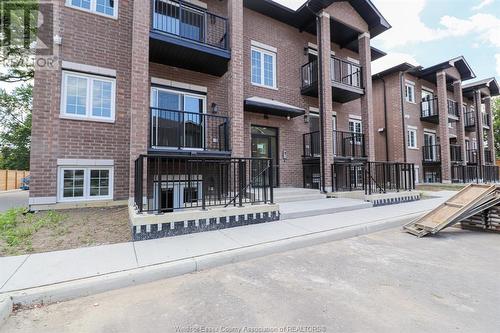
(295, 210)
(291, 194)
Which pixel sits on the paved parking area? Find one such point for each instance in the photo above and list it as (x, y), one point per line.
(13, 199)
(383, 282)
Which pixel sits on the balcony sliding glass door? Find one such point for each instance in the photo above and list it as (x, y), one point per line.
(180, 20)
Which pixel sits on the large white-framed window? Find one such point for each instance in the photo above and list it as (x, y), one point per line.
(356, 128)
(412, 138)
(88, 97)
(108, 8)
(410, 92)
(80, 183)
(263, 71)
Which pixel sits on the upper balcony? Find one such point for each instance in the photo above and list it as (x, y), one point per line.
(346, 145)
(429, 110)
(456, 153)
(431, 154)
(486, 120)
(469, 121)
(346, 80)
(187, 36)
(188, 132)
(453, 113)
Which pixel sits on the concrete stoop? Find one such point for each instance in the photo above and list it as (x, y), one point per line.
(282, 195)
(149, 225)
(380, 199)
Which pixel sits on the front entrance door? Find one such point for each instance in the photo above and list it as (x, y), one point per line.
(265, 145)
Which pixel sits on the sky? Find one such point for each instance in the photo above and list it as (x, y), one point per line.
(427, 32)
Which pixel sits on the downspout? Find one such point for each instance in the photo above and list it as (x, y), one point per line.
(479, 139)
(401, 78)
(385, 119)
(323, 166)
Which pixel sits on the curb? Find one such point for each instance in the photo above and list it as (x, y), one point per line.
(324, 211)
(6, 306)
(65, 291)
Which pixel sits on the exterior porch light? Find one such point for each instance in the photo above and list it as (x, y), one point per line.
(306, 118)
(215, 108)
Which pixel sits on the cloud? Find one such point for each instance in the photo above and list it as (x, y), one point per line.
(391, 60)
(293, 4)
(483, 3)
(497, 57)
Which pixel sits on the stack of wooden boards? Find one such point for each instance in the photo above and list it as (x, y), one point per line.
(471, 205)
(487, 220)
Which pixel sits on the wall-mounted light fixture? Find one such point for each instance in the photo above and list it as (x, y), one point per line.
(215, 108)
(306, 118)
(288, 118)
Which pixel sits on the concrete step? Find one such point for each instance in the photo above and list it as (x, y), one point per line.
(295, 210)
(296, 194)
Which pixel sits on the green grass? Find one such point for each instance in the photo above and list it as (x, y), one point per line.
(17, 227)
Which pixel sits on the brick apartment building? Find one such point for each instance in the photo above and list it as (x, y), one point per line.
(429, 117)
(146, 85)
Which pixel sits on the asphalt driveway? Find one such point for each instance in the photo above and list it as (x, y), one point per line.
(13, 199)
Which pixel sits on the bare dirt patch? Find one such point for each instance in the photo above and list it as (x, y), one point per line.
(65, 229)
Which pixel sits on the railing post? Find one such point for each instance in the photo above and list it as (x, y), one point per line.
(271, 180)
(241, 171)
(159, 183)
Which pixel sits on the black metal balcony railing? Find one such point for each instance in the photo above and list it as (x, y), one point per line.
(429, 108)
(348, 144)
(471, 156)
(488, 156)
(469, 119)
(188, 130)
(453, 109)
(431, 154)
(491, 173)
(346, 72)
(342, 71)
(184, 21)
(311, 144)
(165, 184)
(475, 174)
(486, 119)
(456, 153)
(373, 177)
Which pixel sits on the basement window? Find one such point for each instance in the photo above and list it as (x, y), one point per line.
(85, 183)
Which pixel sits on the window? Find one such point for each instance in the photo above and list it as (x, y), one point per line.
(356, 128)
(412, 138)
(101, 7)
(88, 97)
(410, 92)
(263, 67)
(85, 183)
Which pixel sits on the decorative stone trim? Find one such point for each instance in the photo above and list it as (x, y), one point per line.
(392, 200)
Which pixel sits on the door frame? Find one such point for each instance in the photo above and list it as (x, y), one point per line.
(277, 160)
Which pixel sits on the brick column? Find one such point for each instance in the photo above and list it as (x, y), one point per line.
(457, 92)
(235, 78)
(444, 140)
(479, 127)
(367, 99)
(140, 85)
(491, 132)
(325, 100)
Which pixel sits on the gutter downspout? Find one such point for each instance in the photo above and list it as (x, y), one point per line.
(385, 119)
(480, 143)
(323, 166)
(401, 78)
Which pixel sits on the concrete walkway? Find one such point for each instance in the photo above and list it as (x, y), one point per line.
(13, 199)
(222, 246)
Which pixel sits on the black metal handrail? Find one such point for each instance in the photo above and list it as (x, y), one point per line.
(469, 119)
(453, 108)
(471, 156)
(346, 72)
(491, 173)
(465, 174)
(348, 144)
(431, 153)
(169, 183)
(486, 119)
(188, 22)
(190, 130)
(456, 153)
(429, 108)
(311, 144)
(488, 156)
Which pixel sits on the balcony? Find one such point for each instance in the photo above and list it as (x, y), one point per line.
(471, 156)
(488, 156)
(431, 154)
(311, 145)
(456, 153)
(486, 120)
(179, 131)
(469, 121)
(348, 145)
(186, 36)
(429, 110)
(346, 80)
(453, 113)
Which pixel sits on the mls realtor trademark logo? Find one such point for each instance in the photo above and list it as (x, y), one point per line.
(27, 34)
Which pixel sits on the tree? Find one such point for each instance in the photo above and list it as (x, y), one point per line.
(495, 104)
(15, 137)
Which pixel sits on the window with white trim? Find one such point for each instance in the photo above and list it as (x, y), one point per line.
(85, 183)
(263, 67)
(412, 138)
(88, 96)
(101, 7)
(410, 92)
(356, 128)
